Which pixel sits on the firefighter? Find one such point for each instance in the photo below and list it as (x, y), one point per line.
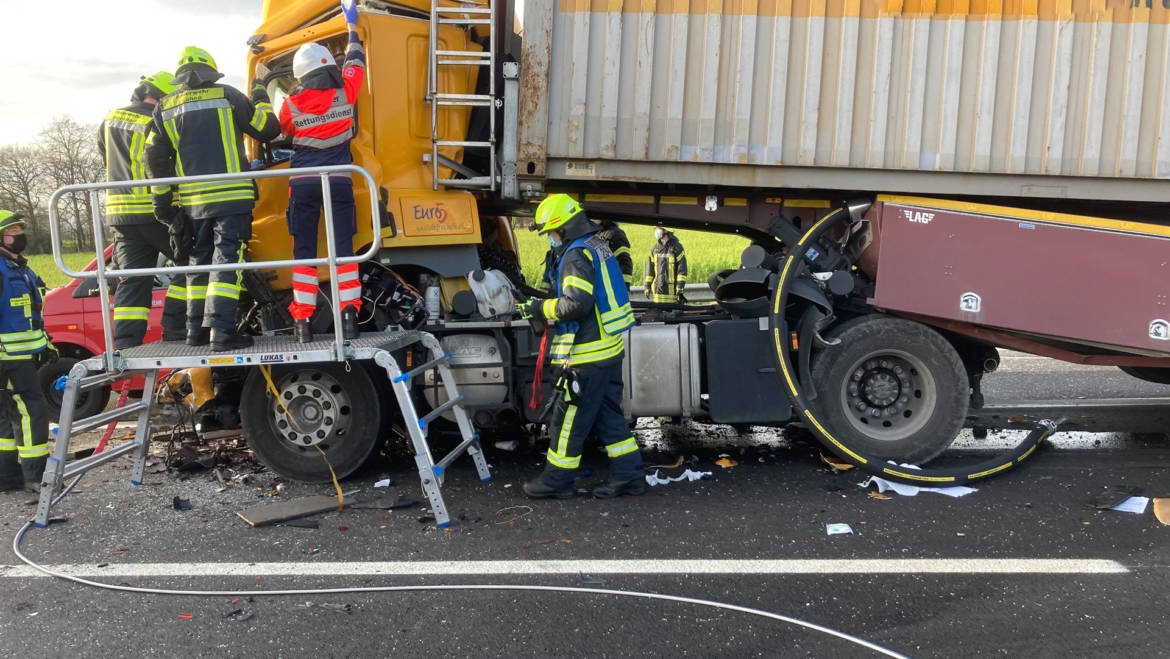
(612, 233)
(319, 117)
(590, 313)
(138, 237)
(666, 269)
(24, 422)
(200, 129)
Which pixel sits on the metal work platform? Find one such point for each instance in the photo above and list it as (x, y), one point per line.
(278, 349)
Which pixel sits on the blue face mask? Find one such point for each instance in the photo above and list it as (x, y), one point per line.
(553, 242)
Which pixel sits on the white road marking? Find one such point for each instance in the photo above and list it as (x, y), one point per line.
(545, 568)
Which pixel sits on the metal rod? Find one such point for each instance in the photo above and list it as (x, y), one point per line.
(85, 464)
(423, 368)
(455, 453)
(435, 413)
(55, 233)
(331, 257)
(99, 244)
(105, 417)
(432, 91)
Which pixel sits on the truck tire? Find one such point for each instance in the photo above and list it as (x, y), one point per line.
(334, 410)
(89, 402)
(892, 388)
(1148, 373)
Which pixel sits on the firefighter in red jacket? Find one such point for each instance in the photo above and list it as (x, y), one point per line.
(319, 117)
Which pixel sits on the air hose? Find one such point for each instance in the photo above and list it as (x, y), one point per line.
(790, 270)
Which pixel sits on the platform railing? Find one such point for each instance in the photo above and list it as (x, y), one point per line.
(102, 273)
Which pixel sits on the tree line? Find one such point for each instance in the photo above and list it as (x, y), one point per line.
(64, 153)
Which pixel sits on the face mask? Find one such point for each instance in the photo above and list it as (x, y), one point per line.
(19, 242)
(658, 234)
(553, 242)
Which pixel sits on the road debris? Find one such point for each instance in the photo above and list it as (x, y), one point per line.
(240, 615)
(186, 616)
(1115, 496)
(1136, 505)
(726, 463)
(879, 495)
(181, 504)
(1162, 510)
(836, 463)
(674, 465)
(385, 482)
(838, 529)
(508, 445)
(688, 475)
(527, 511)
(906, 490)
(271, 513)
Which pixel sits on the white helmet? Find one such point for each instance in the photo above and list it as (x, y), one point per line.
(311, 57)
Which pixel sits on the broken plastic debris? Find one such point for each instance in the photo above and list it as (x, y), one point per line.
(181, 504)
(1162, 510)
(674, 465)
(878, 495)
(186, 616)
(838, 529)
(509, 445)
(385, 482)
(726, 463)
(836, 463)
(688, 475)
(1135, 505)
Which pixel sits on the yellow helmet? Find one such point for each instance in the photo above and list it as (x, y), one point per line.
(554, 212)
(193, 55)
(8, 219)
(162, 82)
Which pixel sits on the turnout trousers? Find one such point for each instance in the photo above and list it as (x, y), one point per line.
(24, 427)
(138, 246)
(304, 213)
(212, 301)
(597, 406)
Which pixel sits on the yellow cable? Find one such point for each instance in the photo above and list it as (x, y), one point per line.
(266, 371)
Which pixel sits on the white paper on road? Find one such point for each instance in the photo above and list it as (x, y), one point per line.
(838, 529)
(385, 482)
(688, 475)
(1133, 505)
(907, 490)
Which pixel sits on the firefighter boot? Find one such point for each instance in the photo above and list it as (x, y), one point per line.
(302, 331)
(635, 487)
(223, 340)
(34, 469)
(198, 337)
(349, 324)
(538, 489)
(10, 476)
(174, 333)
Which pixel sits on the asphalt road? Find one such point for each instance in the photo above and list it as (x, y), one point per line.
(1024, 566)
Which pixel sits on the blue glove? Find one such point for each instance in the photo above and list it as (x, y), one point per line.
(349, 10)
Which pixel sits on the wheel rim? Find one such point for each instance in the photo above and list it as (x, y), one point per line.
(888, 395)
(319, 410)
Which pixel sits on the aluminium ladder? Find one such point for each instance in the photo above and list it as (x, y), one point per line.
(462, 13)
(147, 360)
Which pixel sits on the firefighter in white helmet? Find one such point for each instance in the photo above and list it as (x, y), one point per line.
(319, 118)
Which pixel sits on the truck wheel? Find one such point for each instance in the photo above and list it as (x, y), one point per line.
(89, 402)
(1149, 373)
(328, 408)
(892, 389)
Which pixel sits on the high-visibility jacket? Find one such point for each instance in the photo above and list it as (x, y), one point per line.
(666, 271)
(122, 143)
(321, 121)
(200, 131)
(618, 243)
(593, 309)
(22, 330)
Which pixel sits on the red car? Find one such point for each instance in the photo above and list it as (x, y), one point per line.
(72, 318)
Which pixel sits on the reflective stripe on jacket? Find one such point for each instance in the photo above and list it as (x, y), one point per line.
(22, 330)
(124, 133)
(200, 131)
(593, 309)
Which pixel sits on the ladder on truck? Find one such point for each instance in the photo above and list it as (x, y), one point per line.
(148, 360)
(465, 13)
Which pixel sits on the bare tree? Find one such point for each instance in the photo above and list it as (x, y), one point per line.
(23, 189)
(69, 155)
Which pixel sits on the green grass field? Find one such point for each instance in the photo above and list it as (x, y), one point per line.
(43, 265)
(706, 252)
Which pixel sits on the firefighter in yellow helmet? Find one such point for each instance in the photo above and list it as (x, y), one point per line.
(138, 236)
(200, 129)
(590, 313)
(24, 422)
(666, 269)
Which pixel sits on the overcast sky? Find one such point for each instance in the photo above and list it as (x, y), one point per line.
(83, 58)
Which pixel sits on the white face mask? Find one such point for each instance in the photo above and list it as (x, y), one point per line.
(658, 233)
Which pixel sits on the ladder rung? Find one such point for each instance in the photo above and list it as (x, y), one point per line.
(454, 454)
(422, 369)
(463, 62)
(475, 181)
(467, 104)
(463, 53)
(467, 98)
(465, 21)
(105, 417)
(439, 411)
(81, 466)
(462, 143)
(463, 10)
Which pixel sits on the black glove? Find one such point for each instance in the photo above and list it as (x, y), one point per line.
(182, 237)
(47, 356)
(259, 92)
(530, 309)
(164, 207)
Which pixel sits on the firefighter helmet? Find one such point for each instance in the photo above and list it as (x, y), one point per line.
(193, 55)
(159, 84)
(309, 58)
(555, 212)
(10, 219)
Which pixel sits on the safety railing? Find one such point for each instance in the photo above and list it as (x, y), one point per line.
(102, 273)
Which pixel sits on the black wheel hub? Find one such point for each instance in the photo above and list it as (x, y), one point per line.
(880, 387)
